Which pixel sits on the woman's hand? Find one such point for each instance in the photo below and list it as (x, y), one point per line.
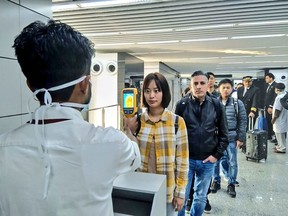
(178, 203)
(130, 123)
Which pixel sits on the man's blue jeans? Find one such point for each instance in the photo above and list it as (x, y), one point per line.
(229, 165)
(203, 174)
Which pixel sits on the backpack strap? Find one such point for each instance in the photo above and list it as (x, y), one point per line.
(176, 125)
(236, 107)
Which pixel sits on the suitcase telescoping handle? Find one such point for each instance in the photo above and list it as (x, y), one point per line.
(250, 123)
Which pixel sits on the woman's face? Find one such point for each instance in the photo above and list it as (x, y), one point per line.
(153, 95)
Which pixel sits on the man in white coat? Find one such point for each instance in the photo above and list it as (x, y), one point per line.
(280, 119)
(57, 163)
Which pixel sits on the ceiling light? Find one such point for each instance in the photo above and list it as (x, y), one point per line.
(205, 27)
(270, 56)
(129, 32)
(101, 34)
(263, 23)
(249, 48)
(276, 47)
(160, 52)
(249, 52)
(158, 42)
(146, 31)
(114, 44)
(231, 62)
(96, 4)
(257, 36)
(205, 39)
(231, 57)
(164, 52)
(64, 7)
(204, 58)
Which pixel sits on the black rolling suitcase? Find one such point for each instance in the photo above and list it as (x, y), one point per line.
(256, 143)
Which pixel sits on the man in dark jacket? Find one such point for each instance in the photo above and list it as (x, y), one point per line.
(207, 135)
(249, 95)
(269, 100)
(237, 121)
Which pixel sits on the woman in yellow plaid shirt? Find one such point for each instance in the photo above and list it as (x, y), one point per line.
(163, 148)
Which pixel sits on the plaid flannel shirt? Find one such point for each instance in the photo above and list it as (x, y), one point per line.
(172, 156)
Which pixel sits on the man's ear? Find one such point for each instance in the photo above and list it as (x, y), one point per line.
(85, 84)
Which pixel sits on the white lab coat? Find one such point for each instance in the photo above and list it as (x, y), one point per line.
(74, 174)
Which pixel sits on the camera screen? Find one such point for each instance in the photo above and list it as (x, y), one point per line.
(128, 100)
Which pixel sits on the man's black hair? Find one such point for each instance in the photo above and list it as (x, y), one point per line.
(199, 73)
(270, 75)
(51, 55)
(225, 81)
(209, 74)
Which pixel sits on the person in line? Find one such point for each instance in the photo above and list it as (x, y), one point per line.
(163, 142)
(234, 92)
(57, 163)
(239, 85)
(237, 121)
(213, 92)
(280, 119)
(207, 135)
(212, 87)
(268, 103)
(186, 91)
(249, 95)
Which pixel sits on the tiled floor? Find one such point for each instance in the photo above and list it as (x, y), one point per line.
(263, 189)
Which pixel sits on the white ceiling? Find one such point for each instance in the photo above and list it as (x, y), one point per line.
(160, 30)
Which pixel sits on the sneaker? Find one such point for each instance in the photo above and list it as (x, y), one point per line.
(215, 187)
(188, 206)
(208, 207)
(231, 190)
(237, 184)
(279, 151)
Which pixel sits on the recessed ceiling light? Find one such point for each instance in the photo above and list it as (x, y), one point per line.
(114, 44)
(205, 39)
(257, 36)
(231, 57)
(96, 4)
(205, 27)
(263, 23)
(158, 42)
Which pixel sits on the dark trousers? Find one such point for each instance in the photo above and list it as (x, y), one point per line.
(269, 124)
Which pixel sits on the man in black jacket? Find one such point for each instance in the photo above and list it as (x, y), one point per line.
(269, 100)
(249, 95)
(207, 135)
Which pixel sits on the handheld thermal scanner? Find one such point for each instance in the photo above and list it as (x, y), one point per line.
(130, 105)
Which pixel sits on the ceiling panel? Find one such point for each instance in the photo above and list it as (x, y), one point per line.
(187, 35)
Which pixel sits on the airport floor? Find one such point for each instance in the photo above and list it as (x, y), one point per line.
(263, 189)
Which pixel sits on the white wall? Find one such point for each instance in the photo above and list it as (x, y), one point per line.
(281, 76)
(104, 105)
(14, 94)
